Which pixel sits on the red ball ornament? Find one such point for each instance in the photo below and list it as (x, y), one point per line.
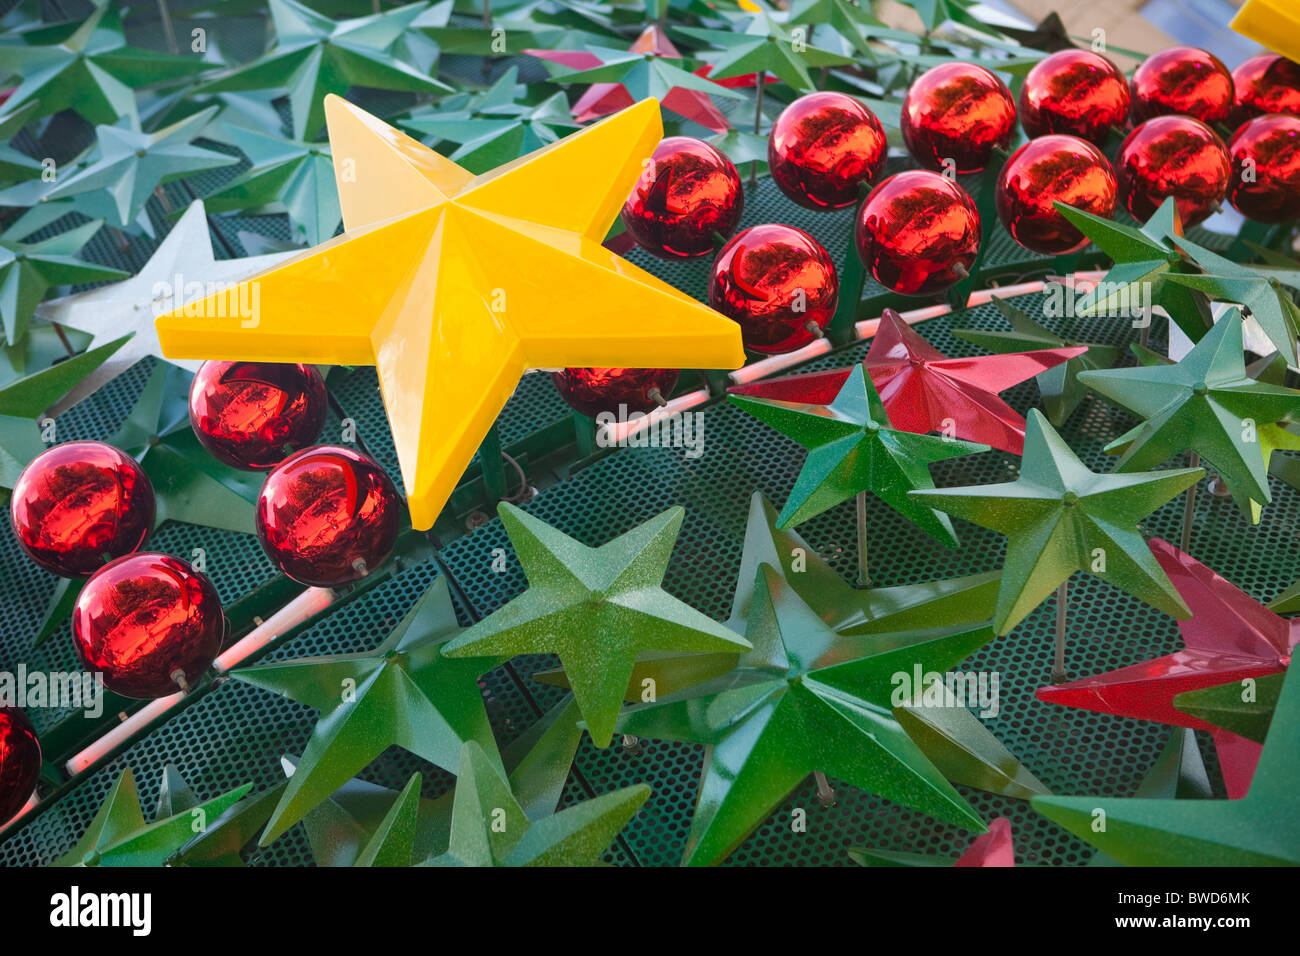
(1182, 80)
(327, 515)
(80, 504)
(149, 623)
(918, 233)
(250, 415)
(687, 192)
(595, 390)
(1265, 84)
(1173, 156)
(1076, 92)
(1047, 170)
(823, 147)
(20, 762)
(1265, 183)
(959, 113)
(778, 283)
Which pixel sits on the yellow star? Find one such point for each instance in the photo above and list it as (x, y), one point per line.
(455, 285)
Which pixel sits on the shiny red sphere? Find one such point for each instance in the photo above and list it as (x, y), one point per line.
(823, 147)
(1265, 183)
(958, 112)
(145, 620)
(1173, 156)
(595, 390)
(1076, 92)
(251, 415)
(687, 192)
(1181, 80)
(917, 232)
(1265, 84)
(1047, 170)
(327, 515)
(20, 762)
(80, 504)
(778, 283)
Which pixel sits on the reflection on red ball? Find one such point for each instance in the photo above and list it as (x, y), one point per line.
(1173, 156)
(1265, 184)
(918, 233)
(1077, 92)
(595, 390)
(1265, 84)
(80, 504)
(778, 283)
(327, 515)
(687, 192)
(149, 623)
(1047, 170)
(959, 112)
(20, 762)
(822, 147)
(250, 415)
(1182, 80)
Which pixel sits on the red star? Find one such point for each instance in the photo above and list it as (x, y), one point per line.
(1229, 637)
(925, 391)
(991, 849)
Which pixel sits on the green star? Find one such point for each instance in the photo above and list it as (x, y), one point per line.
(1059, 517)
(852, 448)
(852, 22)
(403, 693)
(1230, 706)
(764, 45)
(804, 699)
(597, 608)
(1204, 403)
(642, 75)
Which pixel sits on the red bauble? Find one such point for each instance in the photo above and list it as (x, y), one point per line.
(595, 390)
(918, 233)
(1265, 183)
(1265, 84)
(1053, 169)
(687, 192)
(80, 504)
(1076, 92)
(251, 415)
(778, 283)
(823, 147)
(1182, 80)
(958, 112)
(327, 515)
(149, 623)
(20, 762)
(1173, 156)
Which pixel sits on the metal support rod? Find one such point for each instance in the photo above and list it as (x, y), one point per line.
(860, 504)
(1058, 666)
(1189, 505)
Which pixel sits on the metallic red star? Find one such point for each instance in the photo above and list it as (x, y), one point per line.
(991, 849)
(1229, 637)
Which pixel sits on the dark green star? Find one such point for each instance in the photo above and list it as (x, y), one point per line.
(1229, 706)
(763, 45)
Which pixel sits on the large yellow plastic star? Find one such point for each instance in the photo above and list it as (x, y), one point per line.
(455, 285)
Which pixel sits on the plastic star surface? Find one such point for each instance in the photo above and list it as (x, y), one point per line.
(763, 45)
(852, 448)
(405, 694)
(1205, 403)
(804, 699)
(455, 285)
(1059, 517)
(1230, 637)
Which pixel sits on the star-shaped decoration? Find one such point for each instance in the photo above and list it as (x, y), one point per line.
(935, 13)
(1060, 517)
(854, 23)
(1205, 403)
(805, 699)
(489, 826)
(1243, 707)
(133, 305)
(15, 165)
(597, 608)
(313, 57)
(403, 693)
(1059, 385)
(454, 285)
(1229, 638)
(923, 391)
(1260, 829)
(764, 45)
(853, 448)
(994, 848)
